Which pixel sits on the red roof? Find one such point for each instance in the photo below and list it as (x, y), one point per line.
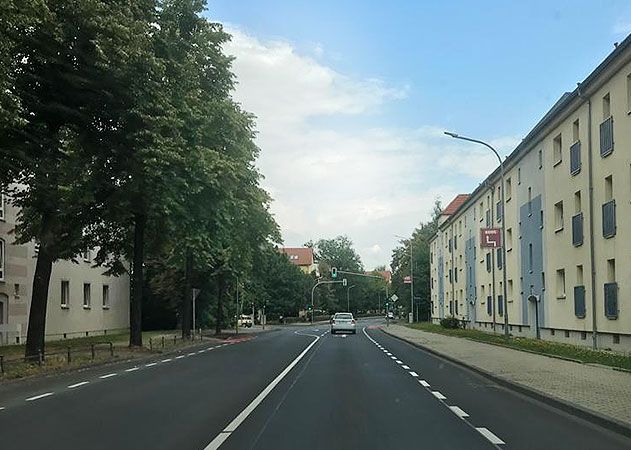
(300, 256)
(455, 204)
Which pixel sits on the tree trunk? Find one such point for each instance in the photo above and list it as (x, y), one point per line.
(220, 292)
(39, 302)
(187, 301)
(137, 283)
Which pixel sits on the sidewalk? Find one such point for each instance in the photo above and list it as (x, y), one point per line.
(600, 390)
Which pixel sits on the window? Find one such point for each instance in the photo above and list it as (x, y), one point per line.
(576, 131)
(540, 154)
(541, 219)
(530, 257)
(629, 93)
(579, 275)
(488, 262)
(106, 296)
(509, 288)
(65, 293)
(519, 175)
(615, 338)
(86, 295)
(611, 270)
(509, 239)
(16, 289)
(488, 218)
(577, 230)
(2, 250)
(560, 287)
(489, 305)
(499, 258)
(611, 300)
(481, 211)
(557, 146)
(558, 216)
(579, 301)
(500, 305)
(2, 207)
(606, 128)
(609, 188)
(498, 211)
(578, 207)
(86, 255)
(509, 189)
(543, 281)
(606, 106)
(529, 200)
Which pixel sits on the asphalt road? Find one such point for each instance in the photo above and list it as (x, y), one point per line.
(295, 388)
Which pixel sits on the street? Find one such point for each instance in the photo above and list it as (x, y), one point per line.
(297, 387)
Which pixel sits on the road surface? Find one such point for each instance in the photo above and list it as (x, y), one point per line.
(298, 387)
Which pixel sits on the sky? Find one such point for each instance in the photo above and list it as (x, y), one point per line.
(352, 98)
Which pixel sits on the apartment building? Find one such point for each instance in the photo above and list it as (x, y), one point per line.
(301, 257)
(567, 193)
(81, 300)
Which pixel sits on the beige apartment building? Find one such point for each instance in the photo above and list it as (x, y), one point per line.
(567, 211)
(81, 300)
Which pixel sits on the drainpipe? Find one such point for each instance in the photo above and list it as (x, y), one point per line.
(592, 258)
(453, 272)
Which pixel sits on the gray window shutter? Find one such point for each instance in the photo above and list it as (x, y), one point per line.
(609, 219)
(575, 158)
(611, 300)
(606, 137)
(579, 301)
(577, 230)
(489, 305)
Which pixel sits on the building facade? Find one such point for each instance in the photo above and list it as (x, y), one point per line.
(81, 300)
(567, 202)
(301, 257)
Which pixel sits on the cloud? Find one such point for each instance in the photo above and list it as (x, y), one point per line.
(328, 171)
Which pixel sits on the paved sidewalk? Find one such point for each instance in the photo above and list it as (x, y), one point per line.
(605, 391)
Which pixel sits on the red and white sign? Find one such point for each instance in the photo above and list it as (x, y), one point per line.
(407, 280)
(491, 237)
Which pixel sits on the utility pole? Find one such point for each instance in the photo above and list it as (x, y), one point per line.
(238, 315)
(348, 298)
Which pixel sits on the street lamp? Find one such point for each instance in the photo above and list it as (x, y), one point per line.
(411, 276)
(504, 299)
(348, 298)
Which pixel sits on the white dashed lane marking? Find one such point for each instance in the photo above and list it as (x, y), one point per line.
(37, 397)
(438, 395)
(414, 374)
(459, 412)
(489, 435)
(180, 357)
(424, 383)
(405, 367)
(109, 375)
(151, 364)
(132, 369)
(166, 360)
(76, 385)
(191, 354)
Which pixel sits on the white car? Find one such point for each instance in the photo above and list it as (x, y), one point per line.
(343, 322)
(390, 315)
(245, 321)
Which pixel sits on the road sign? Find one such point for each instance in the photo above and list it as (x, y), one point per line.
(394, 297)
(333, 272)
(491, 237)
(407, 280)
(344, 282)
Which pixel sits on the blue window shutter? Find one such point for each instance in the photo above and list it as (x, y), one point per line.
(489, 305)
(579, 301)
(606, 137)
(575, 158)
(500, 305)
(611, 300)
(609, 219)
(577, 230)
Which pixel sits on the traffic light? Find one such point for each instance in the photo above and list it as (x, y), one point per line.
(333, 272)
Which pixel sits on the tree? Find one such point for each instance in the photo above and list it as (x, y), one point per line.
(61, 64)
(400, 264)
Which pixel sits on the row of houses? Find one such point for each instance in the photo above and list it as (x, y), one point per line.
(567, 190)
(81, 300)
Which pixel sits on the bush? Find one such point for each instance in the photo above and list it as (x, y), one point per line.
(450, 322)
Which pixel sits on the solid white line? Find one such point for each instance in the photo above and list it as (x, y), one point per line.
(191, 354)
(37, 397)
(438, 395)
(232, 426)
(180, 357)
(166, 360)
(109, 375)
(414, 374)
(132, 369)
(459, 412)
(150, 364)
(424, 383)
(76, 385)
(405, 367)
(490, 436)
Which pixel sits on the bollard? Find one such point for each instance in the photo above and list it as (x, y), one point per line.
(162, 341)
(68, 359)
(174, 339)
(111, 350)
(39, 356)
(150, 344)
(92, 350)
(2, 364)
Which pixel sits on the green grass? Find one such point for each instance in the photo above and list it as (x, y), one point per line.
(574, 352)
(81, 354)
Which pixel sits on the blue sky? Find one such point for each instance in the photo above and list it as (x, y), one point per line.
(354, 146)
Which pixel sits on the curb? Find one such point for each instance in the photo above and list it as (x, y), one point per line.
(579, 411)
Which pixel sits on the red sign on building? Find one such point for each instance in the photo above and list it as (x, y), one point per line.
(407, 280)
(491, 237)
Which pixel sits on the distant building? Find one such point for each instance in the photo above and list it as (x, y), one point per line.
(386, 274)
(301, 257)
(566, 210)
(81, 300)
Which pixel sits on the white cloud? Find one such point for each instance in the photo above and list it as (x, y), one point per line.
(329, 173)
